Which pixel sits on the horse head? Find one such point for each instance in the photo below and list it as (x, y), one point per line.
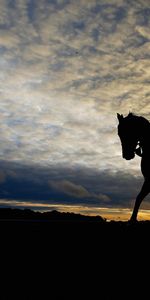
(128, 133)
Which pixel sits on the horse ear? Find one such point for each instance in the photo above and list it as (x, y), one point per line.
(120, 117)
(130, 114)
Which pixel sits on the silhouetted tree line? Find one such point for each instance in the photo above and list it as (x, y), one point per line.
(28, 214)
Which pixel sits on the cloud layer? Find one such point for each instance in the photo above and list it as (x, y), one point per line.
(67, 186)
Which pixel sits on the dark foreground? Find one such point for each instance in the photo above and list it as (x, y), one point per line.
(76, 257)
(27, 225)
(60, 231)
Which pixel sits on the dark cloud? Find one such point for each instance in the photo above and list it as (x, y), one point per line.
(66, 51)
(58, 4)
(95, 34)
(3, 50)
(31, 5)
(136, 40)
(109, 11)
(109, 15)
(11, 3)
(143, 16)
(62, 185)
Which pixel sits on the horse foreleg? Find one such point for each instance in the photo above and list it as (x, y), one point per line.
(143, 193)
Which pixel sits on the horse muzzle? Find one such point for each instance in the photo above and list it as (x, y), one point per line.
(129, 156)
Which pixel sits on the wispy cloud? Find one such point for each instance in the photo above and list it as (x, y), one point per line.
(76, 190)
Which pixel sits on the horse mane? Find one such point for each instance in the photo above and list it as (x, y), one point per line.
(133, 116)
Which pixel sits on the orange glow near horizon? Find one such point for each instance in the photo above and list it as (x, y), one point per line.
(116, 214)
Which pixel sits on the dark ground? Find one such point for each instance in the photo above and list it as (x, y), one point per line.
(66, 229)
(75, 257)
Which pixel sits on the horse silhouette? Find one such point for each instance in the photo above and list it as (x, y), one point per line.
(134, 133)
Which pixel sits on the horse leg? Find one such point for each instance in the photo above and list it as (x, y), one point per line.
(143, 193)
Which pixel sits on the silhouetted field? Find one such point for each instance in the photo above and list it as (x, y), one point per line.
(27, 214)
(72, 252)
(36, 224)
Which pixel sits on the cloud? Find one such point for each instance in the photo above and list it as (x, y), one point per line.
(8, 39)
(142, 30)
(76, 190)
(2, 177)
(70, 188)
(58, 184)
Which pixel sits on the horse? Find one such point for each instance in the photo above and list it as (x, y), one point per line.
(134, 134)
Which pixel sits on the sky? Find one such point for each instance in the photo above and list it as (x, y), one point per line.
(66, 68)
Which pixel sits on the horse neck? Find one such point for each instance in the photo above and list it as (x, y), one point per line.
(145, 137)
